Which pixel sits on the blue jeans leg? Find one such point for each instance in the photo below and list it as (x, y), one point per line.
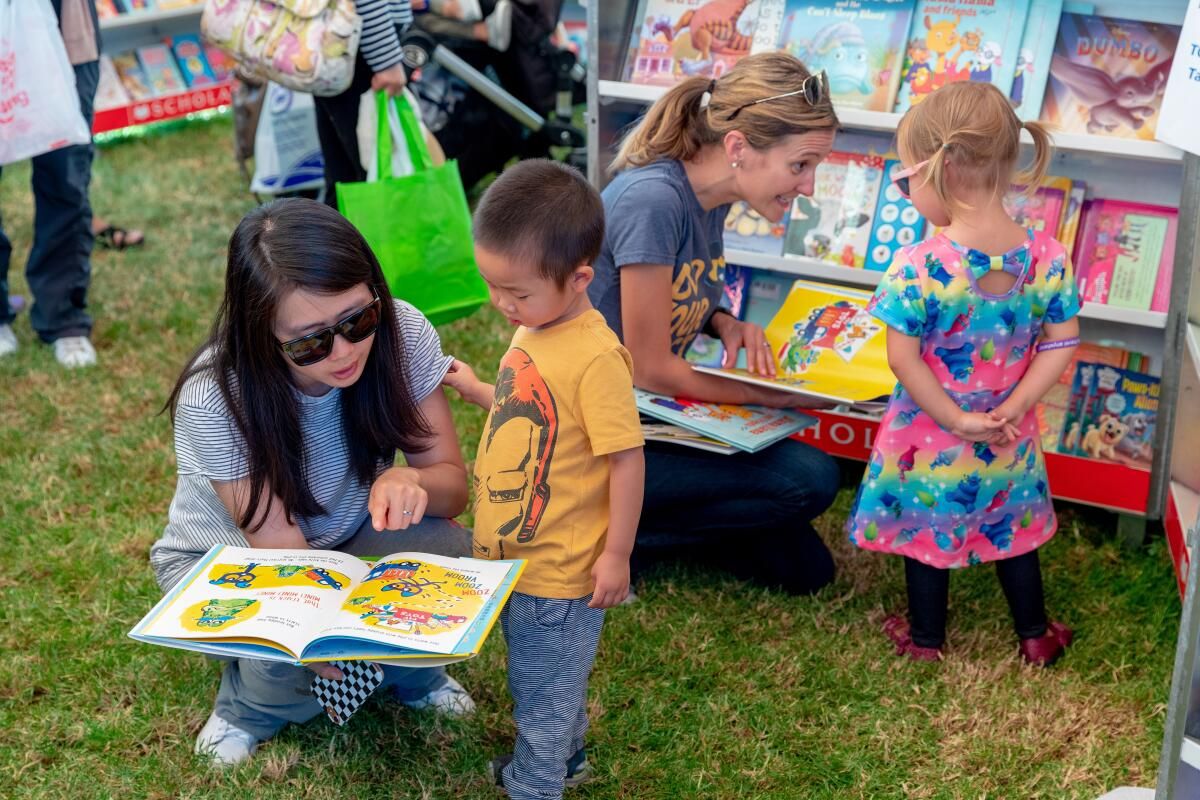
(748, 512)
(59, 268)
(551, 647)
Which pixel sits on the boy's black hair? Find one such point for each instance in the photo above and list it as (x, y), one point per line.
(544, 213)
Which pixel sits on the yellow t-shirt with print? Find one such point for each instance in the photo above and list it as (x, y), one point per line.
(563, 403)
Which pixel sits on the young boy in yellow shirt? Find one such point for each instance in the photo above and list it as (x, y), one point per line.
(559, 475)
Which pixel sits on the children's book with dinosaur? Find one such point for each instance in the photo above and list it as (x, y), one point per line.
(675, 39)
(858, 43)
(748, 428)
(834, 224)
(961, 40)
(826, 345)
(1107, 75)
(306, 606)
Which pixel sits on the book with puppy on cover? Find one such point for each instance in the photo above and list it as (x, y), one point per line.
(308, 606)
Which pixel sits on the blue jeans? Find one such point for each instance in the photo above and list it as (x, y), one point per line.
(551, 647)
(749, 513)
(263, 696)
(59, 267)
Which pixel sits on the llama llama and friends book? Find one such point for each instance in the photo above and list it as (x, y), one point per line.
(858, 43)
(961, 40)
(307, 606)
(1107, 75)
(826, 345)
(834, 224)
(675, 39)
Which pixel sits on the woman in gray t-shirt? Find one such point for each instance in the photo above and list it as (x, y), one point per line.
(287, 425)
(756, 134)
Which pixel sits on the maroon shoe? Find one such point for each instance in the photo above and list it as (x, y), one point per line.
(896, 628)
(1044, 650)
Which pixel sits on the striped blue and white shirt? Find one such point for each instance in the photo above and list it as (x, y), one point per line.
(380, 44)
(209, 448)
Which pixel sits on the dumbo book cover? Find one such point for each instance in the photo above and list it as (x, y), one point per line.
(1107, 75)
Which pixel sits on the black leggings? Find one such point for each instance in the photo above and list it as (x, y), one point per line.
(929, 592)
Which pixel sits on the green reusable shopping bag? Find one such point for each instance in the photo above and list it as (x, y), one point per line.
(418, 225)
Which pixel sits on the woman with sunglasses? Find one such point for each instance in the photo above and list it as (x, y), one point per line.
(756, 134)
(287, 424)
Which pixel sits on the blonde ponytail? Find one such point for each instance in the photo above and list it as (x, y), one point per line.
(972, 126)
(677, 126)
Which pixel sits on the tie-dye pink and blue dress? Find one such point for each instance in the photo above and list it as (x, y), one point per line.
(926, 493)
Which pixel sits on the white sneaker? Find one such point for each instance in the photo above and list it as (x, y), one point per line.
(224, 742)
(74, 351)
(499, 26)
(8, 341)
(450, 699)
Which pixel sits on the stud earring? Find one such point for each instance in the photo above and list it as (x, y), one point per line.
(735, 164)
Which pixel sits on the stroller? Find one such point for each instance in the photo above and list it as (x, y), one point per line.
(522, 111)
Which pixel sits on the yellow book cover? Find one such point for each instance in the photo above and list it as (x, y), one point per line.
(305, 606)
(826, 346)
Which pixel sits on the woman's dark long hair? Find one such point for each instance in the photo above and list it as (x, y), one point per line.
(277, 248)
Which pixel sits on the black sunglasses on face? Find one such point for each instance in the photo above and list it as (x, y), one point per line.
(316, 346)
(812, 89)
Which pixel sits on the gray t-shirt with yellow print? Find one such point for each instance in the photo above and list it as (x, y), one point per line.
(653, 217)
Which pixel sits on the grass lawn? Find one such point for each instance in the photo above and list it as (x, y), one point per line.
(704, 688)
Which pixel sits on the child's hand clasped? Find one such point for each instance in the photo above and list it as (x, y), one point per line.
(611, 576)
(975, 426)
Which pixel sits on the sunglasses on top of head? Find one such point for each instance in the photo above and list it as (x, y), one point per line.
(814, 88)
(316, 346)
(901, 178)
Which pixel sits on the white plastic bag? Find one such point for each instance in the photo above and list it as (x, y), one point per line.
(39, 107)
(287, 153)
(365, 130)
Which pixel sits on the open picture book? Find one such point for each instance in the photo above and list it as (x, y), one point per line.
(305, 606)
(826, 346)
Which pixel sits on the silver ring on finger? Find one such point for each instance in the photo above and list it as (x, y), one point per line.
(406, 513)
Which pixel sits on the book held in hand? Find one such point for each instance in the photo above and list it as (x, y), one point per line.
(827, 346)
(748, 428)
(307, 606)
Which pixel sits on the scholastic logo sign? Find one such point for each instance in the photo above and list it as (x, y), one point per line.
(180, 104)
(10, 98)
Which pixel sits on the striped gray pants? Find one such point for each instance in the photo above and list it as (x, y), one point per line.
(551, 647)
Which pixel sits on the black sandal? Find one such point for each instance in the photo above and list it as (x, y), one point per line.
(110, 237)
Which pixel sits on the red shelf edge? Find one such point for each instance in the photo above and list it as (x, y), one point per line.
(1176, 532)
(1079, 480)
(158, 109)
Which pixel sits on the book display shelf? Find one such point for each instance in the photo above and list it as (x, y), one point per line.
(1130, 169)
(140, 27)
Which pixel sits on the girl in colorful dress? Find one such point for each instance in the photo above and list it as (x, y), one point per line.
(981, 322)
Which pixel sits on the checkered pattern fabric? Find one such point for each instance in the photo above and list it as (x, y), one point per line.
(341, 699)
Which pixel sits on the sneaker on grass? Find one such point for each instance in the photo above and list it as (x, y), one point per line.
(225, 743)
(450, 699)
(74, 351)
(8, 341)
(579, 771)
